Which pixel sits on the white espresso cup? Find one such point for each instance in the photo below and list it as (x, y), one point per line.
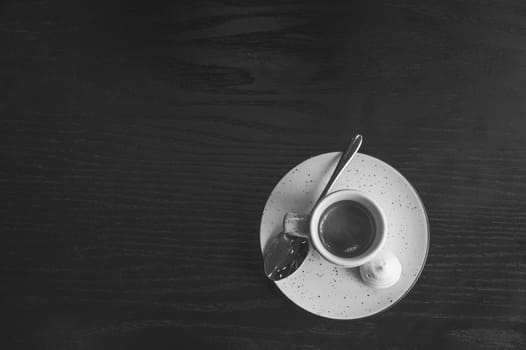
(308, 226)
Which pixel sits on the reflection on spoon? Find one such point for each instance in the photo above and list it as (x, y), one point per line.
(283, 255)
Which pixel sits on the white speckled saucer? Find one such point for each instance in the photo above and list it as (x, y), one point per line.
(335, 292)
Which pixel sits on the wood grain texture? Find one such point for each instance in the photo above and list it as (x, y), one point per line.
(140, 141)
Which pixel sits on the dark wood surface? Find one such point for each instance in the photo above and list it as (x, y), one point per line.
(140, 140)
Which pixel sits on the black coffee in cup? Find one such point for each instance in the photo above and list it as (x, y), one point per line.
(346, 228)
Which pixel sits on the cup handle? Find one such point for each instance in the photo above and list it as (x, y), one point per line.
(297, 225)
(383, 271)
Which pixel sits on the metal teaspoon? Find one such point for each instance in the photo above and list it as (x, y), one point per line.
(285, 253)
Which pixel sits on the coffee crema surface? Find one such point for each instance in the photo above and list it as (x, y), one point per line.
(346, 228)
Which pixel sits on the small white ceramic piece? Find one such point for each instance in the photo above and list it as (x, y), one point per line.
(383, 271)
(323, 288)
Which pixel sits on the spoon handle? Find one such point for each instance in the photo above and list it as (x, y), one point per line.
(297, 225)
(346, 157)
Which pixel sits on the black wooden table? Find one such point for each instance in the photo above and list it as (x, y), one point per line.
(140, 140)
